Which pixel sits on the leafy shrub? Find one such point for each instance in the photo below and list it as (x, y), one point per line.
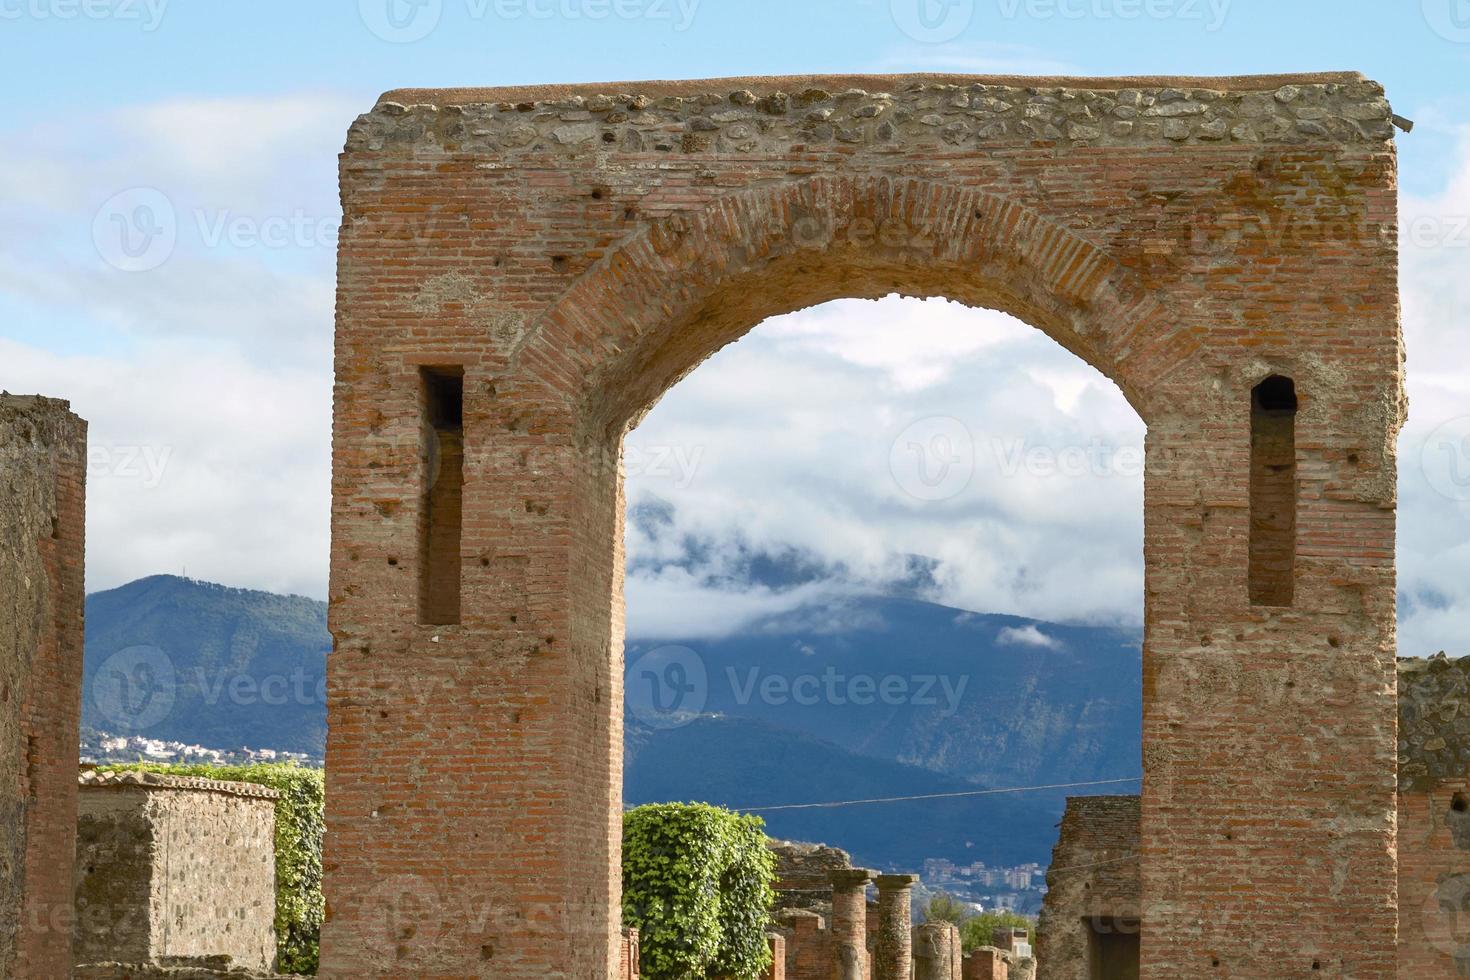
(697, 884)
(299, 826)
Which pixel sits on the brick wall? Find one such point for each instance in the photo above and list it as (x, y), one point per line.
(43, 449)
(169, 868)
(576, 250)
(1092, 885)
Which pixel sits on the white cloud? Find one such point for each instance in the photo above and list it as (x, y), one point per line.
(1027, 636)
(1434, 561)
(1040, 529)
(198, 461)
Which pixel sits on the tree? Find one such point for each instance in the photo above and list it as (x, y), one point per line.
(943, 907)
(697, 885)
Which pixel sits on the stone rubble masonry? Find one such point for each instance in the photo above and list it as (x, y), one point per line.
(207, 969)
(572, 252)
(804, 874)
(1434, 818)
(173, 869)
(893, 959)
(1093, 879)
(43, 461)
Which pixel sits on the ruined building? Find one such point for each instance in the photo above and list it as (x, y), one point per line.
(43, 464)
(1090, 923)
(523, 272)
(173, 869)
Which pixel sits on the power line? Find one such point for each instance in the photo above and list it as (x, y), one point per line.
(936, 796)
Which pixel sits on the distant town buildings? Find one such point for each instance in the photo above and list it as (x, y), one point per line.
(1010, 889)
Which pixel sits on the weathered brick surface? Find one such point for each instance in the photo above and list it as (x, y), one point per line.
(575, 251)
(43, 450)
(986, 963)
(1092, 884)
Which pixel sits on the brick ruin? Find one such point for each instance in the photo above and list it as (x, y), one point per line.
(524, 272)
(1089, 924)
(1434, 818)
(175, 870)
(1090, 920)
(43, 464)
(827, 928)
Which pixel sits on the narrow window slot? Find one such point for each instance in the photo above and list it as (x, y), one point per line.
(1273, 493)
(442, 512)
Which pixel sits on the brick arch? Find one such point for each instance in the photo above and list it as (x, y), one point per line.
(688, 284)
(572, 251)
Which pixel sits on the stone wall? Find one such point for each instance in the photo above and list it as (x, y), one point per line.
(170, 868)
(1434, 818)
(569, 253)
(43, 450)
(1092, 897)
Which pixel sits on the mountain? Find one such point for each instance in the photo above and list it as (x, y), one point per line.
(175, 659)
(862, 698)
(746, 764)
(997, 700)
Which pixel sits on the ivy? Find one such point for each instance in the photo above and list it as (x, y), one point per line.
(697, 885)
(299, 826)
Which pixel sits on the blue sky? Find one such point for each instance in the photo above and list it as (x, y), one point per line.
(207, 376)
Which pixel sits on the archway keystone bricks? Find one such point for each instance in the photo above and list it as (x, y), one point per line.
(555, 258)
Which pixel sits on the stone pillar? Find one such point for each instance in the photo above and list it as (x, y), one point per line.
(43, 474)
(894, 960)
(850, 921)
(957, 961)
(934, 951)
(778, 957)
(629, 964)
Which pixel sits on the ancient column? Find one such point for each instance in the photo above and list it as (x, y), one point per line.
(850, 921)
(934, 951)
(894, 959)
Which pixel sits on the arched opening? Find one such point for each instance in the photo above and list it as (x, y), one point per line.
(881, 549)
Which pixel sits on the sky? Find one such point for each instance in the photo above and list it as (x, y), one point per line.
(204, 361)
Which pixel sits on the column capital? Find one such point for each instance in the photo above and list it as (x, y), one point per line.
(890, 882)
(851, 877)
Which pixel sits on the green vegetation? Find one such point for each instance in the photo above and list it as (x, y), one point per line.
(979, 930)
(299, 825)
(697, 884)
(943, 907)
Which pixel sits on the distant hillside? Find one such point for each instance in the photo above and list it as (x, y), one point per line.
(989, 701)
(187, 661)
(741, 763)
(993, 699)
